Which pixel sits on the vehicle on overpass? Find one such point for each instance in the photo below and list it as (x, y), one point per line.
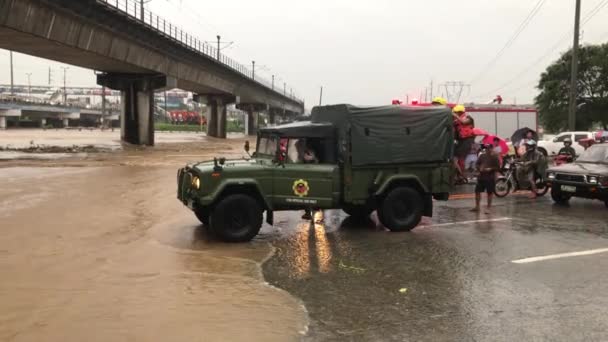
(587, 177)
(393, 159)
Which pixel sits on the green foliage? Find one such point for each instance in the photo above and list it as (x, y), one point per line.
(232, 127)
(592, 90)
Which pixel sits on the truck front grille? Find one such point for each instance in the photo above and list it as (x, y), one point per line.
(570, 178)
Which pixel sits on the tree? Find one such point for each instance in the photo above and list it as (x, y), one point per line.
(592, 90)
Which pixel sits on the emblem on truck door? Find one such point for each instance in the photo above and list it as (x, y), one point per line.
(300, 188)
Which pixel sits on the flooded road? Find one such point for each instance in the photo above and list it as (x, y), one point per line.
(452, 279)
(96, 247)
(99, 249)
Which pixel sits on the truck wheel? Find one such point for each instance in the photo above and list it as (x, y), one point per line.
(236, 218)
(401, 210)
(559, 197)
(202, 215)
(357, 211)
(543, 151)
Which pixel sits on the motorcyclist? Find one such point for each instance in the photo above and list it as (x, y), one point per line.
(533, 165)
(568, 149)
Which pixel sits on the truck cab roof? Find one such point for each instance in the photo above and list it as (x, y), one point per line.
(301, 129)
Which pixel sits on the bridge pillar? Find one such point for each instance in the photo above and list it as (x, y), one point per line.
(42, 122)
(218, 112)
(2, 122)
(251, 122)
(66, 122)
(137, 112)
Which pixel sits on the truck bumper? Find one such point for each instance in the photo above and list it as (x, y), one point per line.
(589, 191)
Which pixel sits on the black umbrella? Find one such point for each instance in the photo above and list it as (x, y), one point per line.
(521, 134)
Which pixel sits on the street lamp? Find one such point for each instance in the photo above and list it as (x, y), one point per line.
(253, 70)
(272, 82)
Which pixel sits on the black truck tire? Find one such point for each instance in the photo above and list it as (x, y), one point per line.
(401, 210)
(559, 197)
(202, 215)
(357, 211)
(236, 218)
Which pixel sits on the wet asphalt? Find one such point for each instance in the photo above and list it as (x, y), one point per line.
(451, 279)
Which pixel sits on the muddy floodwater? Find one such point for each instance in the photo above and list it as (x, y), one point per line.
(96, 247)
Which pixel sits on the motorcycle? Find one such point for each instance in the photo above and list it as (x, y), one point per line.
(509, 181)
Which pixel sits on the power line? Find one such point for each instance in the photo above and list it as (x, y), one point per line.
(511, 40)
(592, 13)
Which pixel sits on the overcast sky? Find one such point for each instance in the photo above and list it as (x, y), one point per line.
(369, 52)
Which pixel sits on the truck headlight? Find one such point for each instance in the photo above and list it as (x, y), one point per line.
(592, 179)
(551, 176)
(196, 182)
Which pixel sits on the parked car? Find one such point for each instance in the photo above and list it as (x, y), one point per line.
(552, 147)
(587, 177)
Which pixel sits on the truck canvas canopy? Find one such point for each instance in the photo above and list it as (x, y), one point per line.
(392, 134)
(301, 129)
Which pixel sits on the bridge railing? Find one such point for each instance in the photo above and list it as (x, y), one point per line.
(133, 9)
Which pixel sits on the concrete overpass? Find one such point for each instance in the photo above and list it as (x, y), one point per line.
(42, 112)
(137, 53)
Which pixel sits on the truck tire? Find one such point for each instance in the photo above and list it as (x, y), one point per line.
(357, 211)
(236, 218)
(559, 197)
(202, 215)
(543, 151)
(401, 210)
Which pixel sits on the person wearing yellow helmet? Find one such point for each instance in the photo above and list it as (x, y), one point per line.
(439, 101)
(465, 138)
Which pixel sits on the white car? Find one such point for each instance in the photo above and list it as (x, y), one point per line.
(551, 147)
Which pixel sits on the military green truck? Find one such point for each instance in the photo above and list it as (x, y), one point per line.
(393, 159)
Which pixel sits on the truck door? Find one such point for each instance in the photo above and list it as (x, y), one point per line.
(296, 184)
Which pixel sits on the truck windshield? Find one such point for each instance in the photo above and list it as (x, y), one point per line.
(595, 154)
(267, 146)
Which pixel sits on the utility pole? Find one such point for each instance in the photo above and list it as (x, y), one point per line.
(321, 96)
(431, 90)
(574, 74)
(272, 82)
(218, 46)
(253, 70)
(103, 108)
(50, 76)
(12, 78)
(65, 94)
(29, 86)
(141, 9)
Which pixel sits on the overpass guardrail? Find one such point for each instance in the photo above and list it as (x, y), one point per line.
(133, 10)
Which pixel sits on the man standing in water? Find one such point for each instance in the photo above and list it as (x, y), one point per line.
(487, 166)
